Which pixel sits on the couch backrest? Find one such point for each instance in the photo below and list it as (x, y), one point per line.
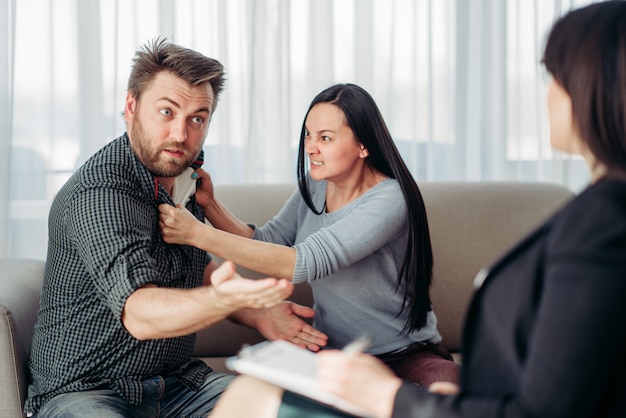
(471, 224)
(252, 203)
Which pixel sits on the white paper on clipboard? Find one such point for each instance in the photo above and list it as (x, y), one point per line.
(289, 367)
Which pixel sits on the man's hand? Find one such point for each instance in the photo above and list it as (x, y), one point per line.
(235, 292)
(159, 312)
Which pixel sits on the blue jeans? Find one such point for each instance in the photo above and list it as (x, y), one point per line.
(162, 397)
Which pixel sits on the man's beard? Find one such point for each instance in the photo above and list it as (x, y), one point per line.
(150, 157)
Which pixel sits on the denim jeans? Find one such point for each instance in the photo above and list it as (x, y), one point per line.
(162, 397)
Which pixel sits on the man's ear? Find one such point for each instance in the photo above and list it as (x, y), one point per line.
(130, 107)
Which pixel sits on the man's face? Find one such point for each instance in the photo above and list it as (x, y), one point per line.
(169, 123)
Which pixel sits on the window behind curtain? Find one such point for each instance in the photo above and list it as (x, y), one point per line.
(458, 82)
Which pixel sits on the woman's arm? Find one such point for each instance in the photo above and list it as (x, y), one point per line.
(377, 219)
(179, 226)
(218, 214)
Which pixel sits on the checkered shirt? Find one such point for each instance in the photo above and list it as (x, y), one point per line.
(104, 243)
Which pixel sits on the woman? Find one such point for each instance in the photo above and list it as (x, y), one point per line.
(356, 231)
(544, 335)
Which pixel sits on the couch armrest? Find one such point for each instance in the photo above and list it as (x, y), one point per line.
(20, 281)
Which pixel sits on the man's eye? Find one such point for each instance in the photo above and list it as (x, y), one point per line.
(166, 112)
(325, 138)
(198, 120)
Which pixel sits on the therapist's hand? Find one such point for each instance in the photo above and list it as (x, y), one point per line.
(444, 388)
(360, 378)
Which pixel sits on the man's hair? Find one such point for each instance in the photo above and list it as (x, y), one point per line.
(160, 55)
(586, 55)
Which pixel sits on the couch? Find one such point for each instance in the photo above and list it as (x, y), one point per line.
(470, 225)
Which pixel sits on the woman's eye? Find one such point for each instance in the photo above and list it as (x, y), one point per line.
(325, 138)
(166, 112)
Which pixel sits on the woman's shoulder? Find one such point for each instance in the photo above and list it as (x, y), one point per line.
(385, 197)
(388, 191)
(387, 186)
(605, 197)
(593, 218)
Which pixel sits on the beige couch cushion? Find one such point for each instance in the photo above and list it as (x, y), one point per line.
(471, 225)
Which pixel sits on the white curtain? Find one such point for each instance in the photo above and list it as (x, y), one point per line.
(458, 82)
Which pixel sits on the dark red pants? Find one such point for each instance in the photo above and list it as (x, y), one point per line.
(423, 364)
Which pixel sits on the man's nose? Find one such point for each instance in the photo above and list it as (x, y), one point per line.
(178, 131)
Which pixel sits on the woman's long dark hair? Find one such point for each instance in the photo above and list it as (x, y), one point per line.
(369, 128)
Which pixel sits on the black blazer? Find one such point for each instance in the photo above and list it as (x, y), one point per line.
(544, 332)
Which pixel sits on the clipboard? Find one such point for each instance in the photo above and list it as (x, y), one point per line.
(290, 367)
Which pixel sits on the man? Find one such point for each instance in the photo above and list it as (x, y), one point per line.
(119, 306)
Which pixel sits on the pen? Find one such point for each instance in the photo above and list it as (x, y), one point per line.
(357, 346)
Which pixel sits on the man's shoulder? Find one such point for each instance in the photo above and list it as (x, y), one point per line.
(113, 162)
(116, 152)
(112, 167)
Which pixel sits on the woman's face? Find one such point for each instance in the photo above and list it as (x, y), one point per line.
(563, 134)
(334, 153)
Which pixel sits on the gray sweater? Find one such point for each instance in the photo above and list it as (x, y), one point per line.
(351, 259)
